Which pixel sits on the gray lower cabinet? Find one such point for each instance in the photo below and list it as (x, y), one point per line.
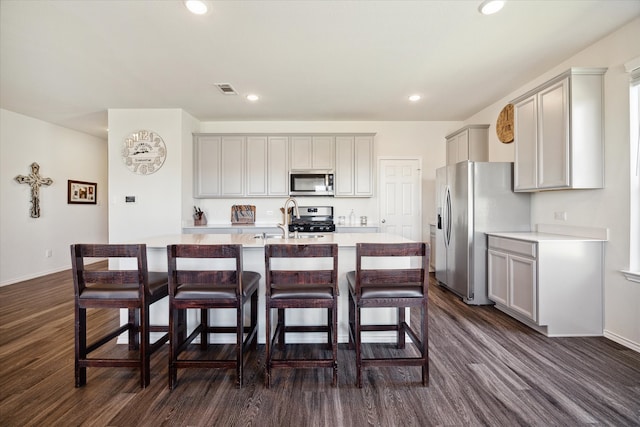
(552, 284)
(512, 275)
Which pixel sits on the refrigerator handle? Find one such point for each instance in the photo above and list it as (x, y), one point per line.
(447, 217)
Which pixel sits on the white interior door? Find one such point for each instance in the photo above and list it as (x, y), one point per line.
(400, 183)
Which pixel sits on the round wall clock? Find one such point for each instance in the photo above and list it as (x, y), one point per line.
(143, 152)
(504, 125)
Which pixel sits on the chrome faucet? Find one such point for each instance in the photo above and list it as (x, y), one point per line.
(285, 227)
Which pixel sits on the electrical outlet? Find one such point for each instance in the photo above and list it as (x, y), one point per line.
(269, 213)
(560, 216)
(48, 253)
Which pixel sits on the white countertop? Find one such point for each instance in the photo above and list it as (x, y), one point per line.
(268, 225)
(358, 225)
(250, 241)
(534, 236)
(230, 225)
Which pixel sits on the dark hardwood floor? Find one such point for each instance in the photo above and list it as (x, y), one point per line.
(486, 369)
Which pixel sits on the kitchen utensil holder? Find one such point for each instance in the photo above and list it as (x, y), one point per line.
(200, 219)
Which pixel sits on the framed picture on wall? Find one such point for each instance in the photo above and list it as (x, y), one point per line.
(81, 192)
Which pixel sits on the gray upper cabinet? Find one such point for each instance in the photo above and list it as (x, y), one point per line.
(354, 166)
(278, 166)
(267, 166)
(206, 166)
(257, 158)
(469, 143)
(232, 167)
(558, 133)
(253, 165)
(218, 166)
(312, 152)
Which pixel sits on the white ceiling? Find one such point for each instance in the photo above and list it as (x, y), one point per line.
(67, 62)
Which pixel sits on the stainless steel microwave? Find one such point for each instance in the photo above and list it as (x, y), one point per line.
(311, 183)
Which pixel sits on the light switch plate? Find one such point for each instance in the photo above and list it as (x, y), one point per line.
(560, 216)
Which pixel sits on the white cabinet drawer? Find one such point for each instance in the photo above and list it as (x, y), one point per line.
(514, 246)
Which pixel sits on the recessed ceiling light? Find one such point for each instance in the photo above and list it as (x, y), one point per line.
(489, 7)
(253, 97)
(197, 7)
(414, 98)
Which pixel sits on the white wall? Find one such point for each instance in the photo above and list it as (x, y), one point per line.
(608, 207)
(159, 202)
(423, 140)
(62, 154)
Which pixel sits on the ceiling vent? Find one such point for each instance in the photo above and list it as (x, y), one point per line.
(226, 88)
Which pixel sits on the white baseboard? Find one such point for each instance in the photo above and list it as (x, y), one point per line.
(33, 276)
(622, 340)
(44, 273)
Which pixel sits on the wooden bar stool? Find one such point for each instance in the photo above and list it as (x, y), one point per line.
(294, 280)
(134, 289)
(217, 286)
(377, 286)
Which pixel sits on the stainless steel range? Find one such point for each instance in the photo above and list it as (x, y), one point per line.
(313, 219)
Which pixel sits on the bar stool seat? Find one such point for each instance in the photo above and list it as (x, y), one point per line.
(189, 291)
(157, 289)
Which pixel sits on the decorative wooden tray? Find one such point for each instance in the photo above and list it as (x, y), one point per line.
(243, 214)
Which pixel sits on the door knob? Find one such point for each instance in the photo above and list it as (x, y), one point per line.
(384, 220)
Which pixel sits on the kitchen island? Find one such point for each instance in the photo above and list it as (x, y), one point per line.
(253, 260)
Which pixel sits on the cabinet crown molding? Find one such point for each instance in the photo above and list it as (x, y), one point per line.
(574, 71)
(283, 134)
(462, 129)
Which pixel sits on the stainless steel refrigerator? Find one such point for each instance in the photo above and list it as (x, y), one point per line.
(473, 198)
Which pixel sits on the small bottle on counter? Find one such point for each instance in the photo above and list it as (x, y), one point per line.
(352, 218)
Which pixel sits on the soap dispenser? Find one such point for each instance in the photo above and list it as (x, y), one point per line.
(352, 217)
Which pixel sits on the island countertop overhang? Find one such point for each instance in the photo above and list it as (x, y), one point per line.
(257, 241)
(253, 260)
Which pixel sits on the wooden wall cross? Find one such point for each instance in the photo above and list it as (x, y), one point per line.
(35, 181)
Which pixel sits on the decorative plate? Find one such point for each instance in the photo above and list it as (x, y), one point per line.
(144, 152)
(504, 125)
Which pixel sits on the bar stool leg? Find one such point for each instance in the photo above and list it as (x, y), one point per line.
(357, 314)
(239, 344)
(134, 329)
(267, 327)
(81, 345)
(334, 344)
(281, 326)
(425, 345)
(401, 333)
(204, 324)
(254, 320)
